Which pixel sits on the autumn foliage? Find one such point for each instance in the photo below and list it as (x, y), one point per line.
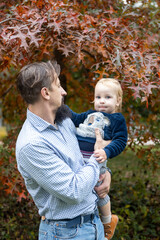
(90, 40)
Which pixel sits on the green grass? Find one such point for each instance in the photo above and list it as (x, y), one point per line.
(128, 163)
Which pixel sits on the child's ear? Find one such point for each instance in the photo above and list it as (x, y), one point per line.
(45, 93)
(118, 101)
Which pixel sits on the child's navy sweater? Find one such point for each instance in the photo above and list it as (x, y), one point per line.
(115, 131)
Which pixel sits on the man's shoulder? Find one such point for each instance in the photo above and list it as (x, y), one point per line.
(26, 136)
(67, 120)
(67, 123)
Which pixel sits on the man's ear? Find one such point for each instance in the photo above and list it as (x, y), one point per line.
(45, 93)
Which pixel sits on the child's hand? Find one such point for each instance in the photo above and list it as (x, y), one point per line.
(100, 155)
(100, 143)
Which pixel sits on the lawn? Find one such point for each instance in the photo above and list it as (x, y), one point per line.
(130, 164)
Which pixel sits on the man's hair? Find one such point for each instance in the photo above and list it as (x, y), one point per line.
(33, 77)
(113, 83)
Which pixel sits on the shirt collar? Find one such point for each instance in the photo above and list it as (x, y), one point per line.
(38, 122)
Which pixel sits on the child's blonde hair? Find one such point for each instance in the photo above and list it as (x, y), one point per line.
(113, 83)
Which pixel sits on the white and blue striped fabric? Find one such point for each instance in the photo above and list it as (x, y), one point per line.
(50, 161)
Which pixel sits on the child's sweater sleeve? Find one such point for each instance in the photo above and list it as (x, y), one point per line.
(78, 118)
(119, 138)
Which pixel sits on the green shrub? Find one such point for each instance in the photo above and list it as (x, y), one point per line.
(19, 220)
(135, 199)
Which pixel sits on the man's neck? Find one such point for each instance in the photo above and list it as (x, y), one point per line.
(43, 111)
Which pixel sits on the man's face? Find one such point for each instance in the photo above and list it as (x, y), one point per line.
(57, 93)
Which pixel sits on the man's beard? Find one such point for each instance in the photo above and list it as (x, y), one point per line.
(62, 113)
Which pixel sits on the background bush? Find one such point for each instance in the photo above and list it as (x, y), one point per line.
(135, 194)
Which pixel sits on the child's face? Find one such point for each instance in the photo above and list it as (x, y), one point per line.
(105, 99)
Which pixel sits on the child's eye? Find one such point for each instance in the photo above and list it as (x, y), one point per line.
(98, 97)
(107, 97)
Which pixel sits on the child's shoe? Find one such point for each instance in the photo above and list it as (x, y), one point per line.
(109, 228)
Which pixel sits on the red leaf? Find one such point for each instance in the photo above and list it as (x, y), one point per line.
(21, 195)
(56, 25)
(66, 49)
(17, 33)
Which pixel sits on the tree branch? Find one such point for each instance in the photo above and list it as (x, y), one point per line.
(5, 93)
(85, 51)
(112, 38)
(8, 19)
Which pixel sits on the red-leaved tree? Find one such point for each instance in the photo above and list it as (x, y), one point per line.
(90, 40)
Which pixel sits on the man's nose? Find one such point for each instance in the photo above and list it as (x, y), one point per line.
(63, 92)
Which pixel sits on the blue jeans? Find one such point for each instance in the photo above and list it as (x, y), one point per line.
(56, 230)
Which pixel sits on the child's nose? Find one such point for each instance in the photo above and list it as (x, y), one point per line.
(102, 100)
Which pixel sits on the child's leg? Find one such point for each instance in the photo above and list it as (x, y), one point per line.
(106, 212)
(109, 220)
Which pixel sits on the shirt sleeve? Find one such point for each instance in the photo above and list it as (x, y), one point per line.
(119, 139)
(55, 176)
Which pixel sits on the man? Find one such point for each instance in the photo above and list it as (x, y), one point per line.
(49, 159)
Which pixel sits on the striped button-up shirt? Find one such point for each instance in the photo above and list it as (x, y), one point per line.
(55, 174)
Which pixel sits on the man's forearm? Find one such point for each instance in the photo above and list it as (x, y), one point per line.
(103, 189)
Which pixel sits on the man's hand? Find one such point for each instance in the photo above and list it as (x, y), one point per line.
(103, 189)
